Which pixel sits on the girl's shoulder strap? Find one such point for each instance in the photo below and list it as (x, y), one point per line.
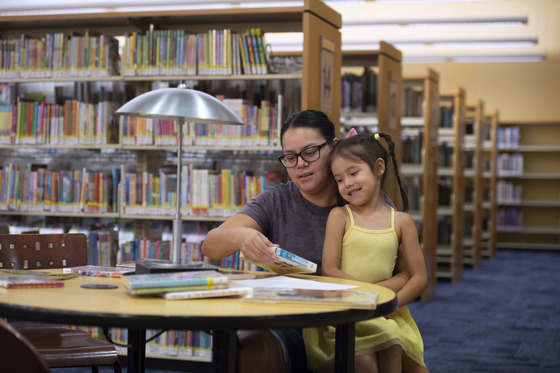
(349, 210)
(392, 218)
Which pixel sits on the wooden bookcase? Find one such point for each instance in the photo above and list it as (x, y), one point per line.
(320, 75)
(387, 118)
(489, 204)
(474, 185)
(421, 172)
(313, 19)
(529, 164)
(451, 181)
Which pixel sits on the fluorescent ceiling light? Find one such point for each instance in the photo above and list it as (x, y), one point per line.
(474, 59)
(439, 22)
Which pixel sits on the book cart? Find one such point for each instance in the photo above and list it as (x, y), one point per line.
(419, 167)
(528, 172)
(311, 88)
(451, 185)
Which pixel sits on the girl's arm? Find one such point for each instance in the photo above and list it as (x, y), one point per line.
(240, 232)
(332, 247)
(414, 259)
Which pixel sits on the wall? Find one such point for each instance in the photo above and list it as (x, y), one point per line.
(519, 91)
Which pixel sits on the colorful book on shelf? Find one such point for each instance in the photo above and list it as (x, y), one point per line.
(28, 282)
(98, 271)
(316, 298)
(174, 279)
(287, 263)
(230, 291)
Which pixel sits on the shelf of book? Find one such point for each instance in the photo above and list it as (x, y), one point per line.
(528, 175)
(305, 89)
(420, 122)
(451, 185)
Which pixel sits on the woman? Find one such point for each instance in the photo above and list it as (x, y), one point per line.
(292, 215)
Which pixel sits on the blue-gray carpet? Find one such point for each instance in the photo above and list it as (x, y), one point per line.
(501, 317)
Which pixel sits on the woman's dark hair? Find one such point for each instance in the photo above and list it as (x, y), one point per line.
(366, 147)
(311, 119)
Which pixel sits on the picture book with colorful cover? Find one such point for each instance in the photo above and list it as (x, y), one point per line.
(166, 289)
(287, 263)
(173, 279)
(316, 298)
(231, 291)
(98, 271)
(28, 282)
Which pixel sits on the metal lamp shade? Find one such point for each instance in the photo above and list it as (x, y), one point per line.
(180, 105)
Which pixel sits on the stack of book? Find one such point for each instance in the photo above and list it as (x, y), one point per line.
(183, 285)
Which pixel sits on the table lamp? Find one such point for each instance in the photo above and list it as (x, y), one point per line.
(181, 105)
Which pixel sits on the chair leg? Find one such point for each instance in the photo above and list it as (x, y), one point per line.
(94, 369)
(117, 367)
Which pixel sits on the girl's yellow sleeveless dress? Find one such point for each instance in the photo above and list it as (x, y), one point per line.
(369, 256)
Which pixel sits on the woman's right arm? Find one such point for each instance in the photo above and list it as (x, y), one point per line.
(240, 232)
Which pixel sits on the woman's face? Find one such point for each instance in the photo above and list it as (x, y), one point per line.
(312, 178)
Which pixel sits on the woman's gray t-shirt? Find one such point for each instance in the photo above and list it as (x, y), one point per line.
(291, 221)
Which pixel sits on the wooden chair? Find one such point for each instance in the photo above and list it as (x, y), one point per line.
(58, 346)
(17, 353)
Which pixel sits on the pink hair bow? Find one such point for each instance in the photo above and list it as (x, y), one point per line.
(351, 133)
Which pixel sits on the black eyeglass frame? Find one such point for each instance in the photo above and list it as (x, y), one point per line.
(300, 154)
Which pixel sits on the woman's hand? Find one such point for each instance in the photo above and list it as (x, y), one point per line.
(255, 246)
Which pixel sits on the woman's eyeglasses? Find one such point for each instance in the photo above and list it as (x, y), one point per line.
(310, 154)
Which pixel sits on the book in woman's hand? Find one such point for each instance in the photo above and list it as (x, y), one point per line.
(287, 263)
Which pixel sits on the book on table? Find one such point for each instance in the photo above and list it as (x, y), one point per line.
(167, 289)
(168, 281)
(98, 271)
(317, 298)
(28, 282)
(287, 263)
(232, 290)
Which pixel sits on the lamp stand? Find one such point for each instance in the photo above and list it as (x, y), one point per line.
(175, 264)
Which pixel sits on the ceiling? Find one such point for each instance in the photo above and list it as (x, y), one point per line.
(425, 31)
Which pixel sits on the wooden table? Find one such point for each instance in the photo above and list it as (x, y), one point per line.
(73, 304)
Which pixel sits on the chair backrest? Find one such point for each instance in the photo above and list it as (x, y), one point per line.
(17, 353)
(43, 251)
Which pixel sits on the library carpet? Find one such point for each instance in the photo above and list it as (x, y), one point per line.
(501, 317)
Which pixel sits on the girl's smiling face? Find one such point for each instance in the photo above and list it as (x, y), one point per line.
(356, 181)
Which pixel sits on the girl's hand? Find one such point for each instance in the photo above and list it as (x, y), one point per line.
(396, 312)
(255, 246)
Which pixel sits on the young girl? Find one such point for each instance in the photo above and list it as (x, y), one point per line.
(361, 243)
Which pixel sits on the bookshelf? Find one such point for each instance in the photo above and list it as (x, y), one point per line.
(383, 114)
(489, 204)
(474, 184)
(420, 121)
(313, 19)
(310, 88)
(451, 184)
(528, 185)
